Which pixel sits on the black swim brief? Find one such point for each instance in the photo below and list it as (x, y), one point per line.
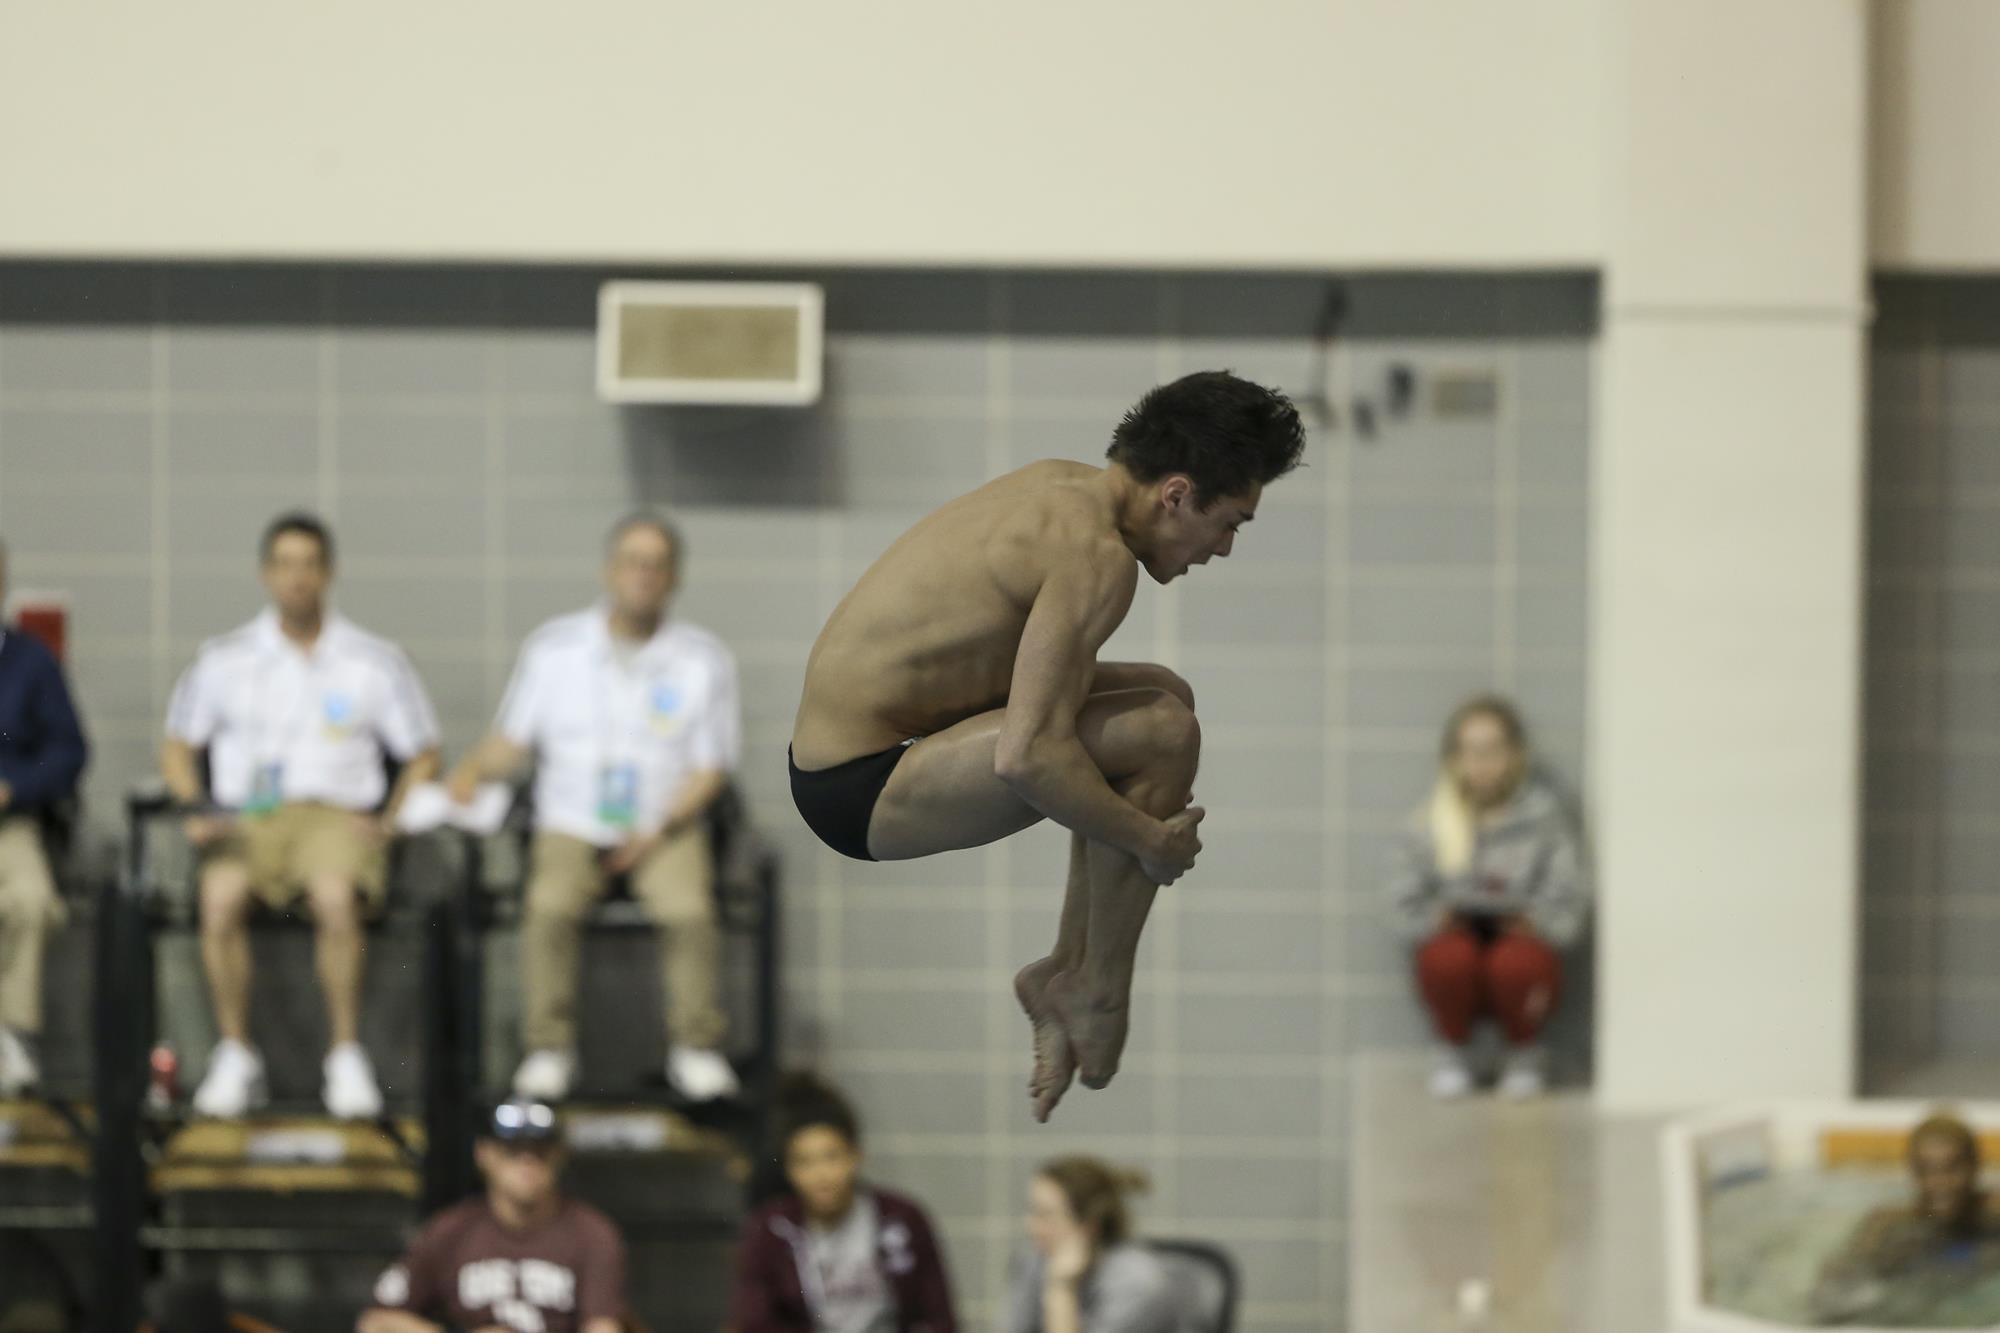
(838, 802)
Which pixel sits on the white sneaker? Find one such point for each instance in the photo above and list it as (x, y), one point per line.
(234, 1083)
(700, 1076)
(1451, 1079)
(546, 1076)
(17, 1065)
(350, 1092)
(1522, 1076)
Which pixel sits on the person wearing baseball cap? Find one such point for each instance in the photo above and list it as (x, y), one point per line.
(522, 1257)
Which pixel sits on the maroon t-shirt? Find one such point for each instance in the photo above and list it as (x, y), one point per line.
(466, 1269)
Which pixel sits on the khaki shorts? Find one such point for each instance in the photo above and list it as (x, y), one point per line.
(294, 844)
(675, 883)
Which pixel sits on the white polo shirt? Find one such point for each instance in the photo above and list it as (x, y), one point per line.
(666, 709)
(255, 698)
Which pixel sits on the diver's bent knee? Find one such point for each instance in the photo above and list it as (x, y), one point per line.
(1172, 730)
(1169, 680)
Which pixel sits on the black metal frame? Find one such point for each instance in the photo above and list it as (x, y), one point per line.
(129, 1238)
(735, 841)
(451, 1045)
(124, 1022)
(747, 904)
(1218, 1261)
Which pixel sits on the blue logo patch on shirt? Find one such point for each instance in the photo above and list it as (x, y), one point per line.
(666, 699)
(337, 710)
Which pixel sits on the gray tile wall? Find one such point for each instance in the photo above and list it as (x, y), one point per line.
(151, 419)
(1931, 903)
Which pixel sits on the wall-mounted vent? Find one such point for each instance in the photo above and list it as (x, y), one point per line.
(755, 343)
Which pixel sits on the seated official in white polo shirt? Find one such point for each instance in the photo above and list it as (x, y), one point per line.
(632, 720)
(296, 709)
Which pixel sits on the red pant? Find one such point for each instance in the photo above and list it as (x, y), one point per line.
(1464, 976)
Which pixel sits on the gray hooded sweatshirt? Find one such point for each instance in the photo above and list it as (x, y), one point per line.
(1526, 861)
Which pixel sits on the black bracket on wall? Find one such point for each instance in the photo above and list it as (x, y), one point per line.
(1368, 410)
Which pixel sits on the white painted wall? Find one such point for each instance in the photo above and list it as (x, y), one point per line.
(1726, 509)
(1281, 132)
(1733, 155)
(1935, 150)
(1724, 713)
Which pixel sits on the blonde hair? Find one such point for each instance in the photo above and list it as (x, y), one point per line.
(1096, 1191)
(1452, 823)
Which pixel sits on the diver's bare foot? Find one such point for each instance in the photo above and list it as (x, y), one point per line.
(1096, 1025)
(1054, 1065)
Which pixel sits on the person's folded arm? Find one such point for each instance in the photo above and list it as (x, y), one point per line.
(420, 767)
(697, 794)
(508, 747)
(497, 758)
(180, 772)
(407, 728)
(1082, 599)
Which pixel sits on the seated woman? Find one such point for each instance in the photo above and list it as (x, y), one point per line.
(832, 1254)
(1488, 885)
(1902, 1260)
(1083, 1272)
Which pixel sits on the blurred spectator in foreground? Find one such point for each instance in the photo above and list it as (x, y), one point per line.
(521, 1257)
(1083, 1272)
(835, 1254)
(42, 754)
(1902, 1260)
(1488, 885)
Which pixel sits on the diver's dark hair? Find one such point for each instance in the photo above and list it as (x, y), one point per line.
(1221, 431)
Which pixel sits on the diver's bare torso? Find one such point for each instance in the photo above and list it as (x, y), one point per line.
(929, 635)
(958, 696)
